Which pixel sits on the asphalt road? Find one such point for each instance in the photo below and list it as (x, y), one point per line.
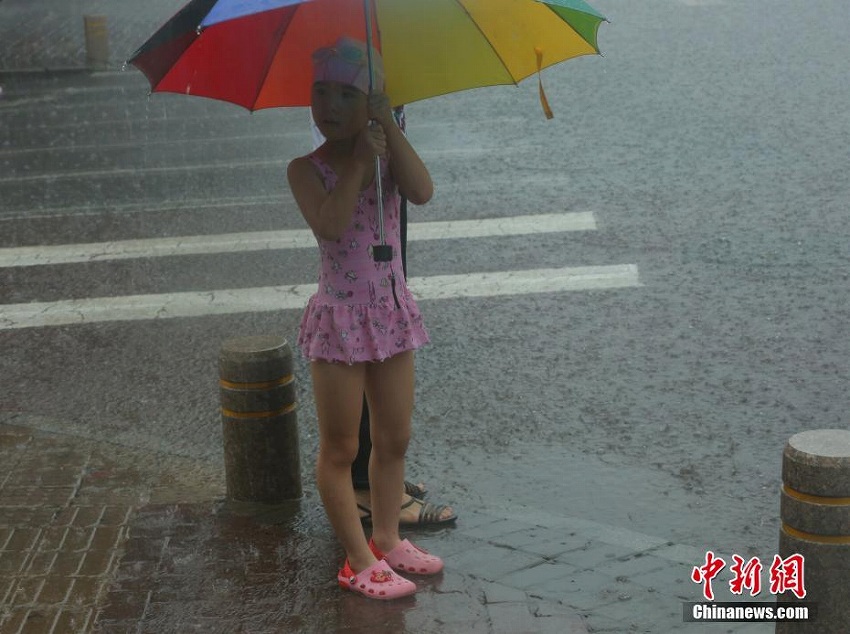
(709, 145)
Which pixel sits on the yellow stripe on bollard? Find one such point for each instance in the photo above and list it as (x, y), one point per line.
(256, 415)
(265, 385)
(817, 539)
(815, 499)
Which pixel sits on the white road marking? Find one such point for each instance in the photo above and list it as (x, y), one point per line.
(229, 165)
(142, 207)
(273, 298)
(284, 239)
(492, 184)
(138, 171)
(135, 144)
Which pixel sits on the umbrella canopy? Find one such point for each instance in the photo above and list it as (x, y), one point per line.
(256, 53)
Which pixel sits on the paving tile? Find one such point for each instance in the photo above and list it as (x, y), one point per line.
(636, 606)
(23, 538)
(494, 529)
(116, 627)
(67, 563)
(26, 516)
(633, 566)
(12, 562)
(74, 621)
(106, 538)
(88, 515)
(673, 581)
(86, 591)
(115, 515)
(7, 587)
(599, 624)
(593, 555)
(680, 553)
(26, 590)
(39, 621)
(96, 562)
(500, 593)
(40, 564)
(55, 590)
(582, 590)
(491, 562)
(11, 621)
(537, 575)
(5, 536)
(545, 542)
(507, 618)
(123, 606)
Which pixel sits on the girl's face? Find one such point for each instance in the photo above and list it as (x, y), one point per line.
(339, 110)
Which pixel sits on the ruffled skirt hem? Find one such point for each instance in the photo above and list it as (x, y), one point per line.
(358, 333)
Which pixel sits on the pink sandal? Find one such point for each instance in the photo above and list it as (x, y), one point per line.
(406, 557)
(378, 581)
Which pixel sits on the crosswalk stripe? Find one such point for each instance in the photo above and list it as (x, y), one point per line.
(273, 298)
(139, 171)
(284, 239)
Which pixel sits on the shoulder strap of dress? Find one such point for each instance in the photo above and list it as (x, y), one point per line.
(328, 175)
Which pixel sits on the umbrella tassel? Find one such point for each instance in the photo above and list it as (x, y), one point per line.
(543, 101)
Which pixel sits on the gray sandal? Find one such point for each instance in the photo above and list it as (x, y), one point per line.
(429, 514)
(414, 490)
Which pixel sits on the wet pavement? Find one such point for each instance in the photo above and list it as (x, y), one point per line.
(95, 537)
(134, 536)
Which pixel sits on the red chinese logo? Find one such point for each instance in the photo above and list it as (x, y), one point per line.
(747, 575)
(707, 572)
(787, 575)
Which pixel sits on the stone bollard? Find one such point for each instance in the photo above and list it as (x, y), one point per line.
(815, 512)
(259, 419)
(97, 41)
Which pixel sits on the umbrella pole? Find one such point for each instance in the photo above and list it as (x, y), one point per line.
(380, 252)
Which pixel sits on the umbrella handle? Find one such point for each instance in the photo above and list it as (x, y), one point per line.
(382, 252)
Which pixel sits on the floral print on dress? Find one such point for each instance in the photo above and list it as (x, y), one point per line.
(362, 310)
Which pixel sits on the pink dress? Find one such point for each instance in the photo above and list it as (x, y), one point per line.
(363, 310)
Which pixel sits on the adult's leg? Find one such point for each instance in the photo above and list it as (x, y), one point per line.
(338, 389)
(389, 389)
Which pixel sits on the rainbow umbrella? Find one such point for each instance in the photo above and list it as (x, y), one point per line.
(256, 53)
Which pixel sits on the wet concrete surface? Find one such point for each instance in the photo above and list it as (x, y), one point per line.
(595, 444)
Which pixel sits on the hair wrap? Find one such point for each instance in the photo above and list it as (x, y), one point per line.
(347, 62)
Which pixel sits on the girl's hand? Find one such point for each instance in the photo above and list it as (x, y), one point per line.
(371, 142)
(379, 109)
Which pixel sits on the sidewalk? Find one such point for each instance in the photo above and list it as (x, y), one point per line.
(98, 538)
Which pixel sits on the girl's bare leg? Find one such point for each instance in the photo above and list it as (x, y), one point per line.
(338, 390)
(389, 390)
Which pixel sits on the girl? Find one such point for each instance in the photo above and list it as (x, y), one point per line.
(415, 511)
(360, 329)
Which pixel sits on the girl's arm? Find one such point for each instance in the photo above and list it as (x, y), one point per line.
(329, 213)
(409, 172)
